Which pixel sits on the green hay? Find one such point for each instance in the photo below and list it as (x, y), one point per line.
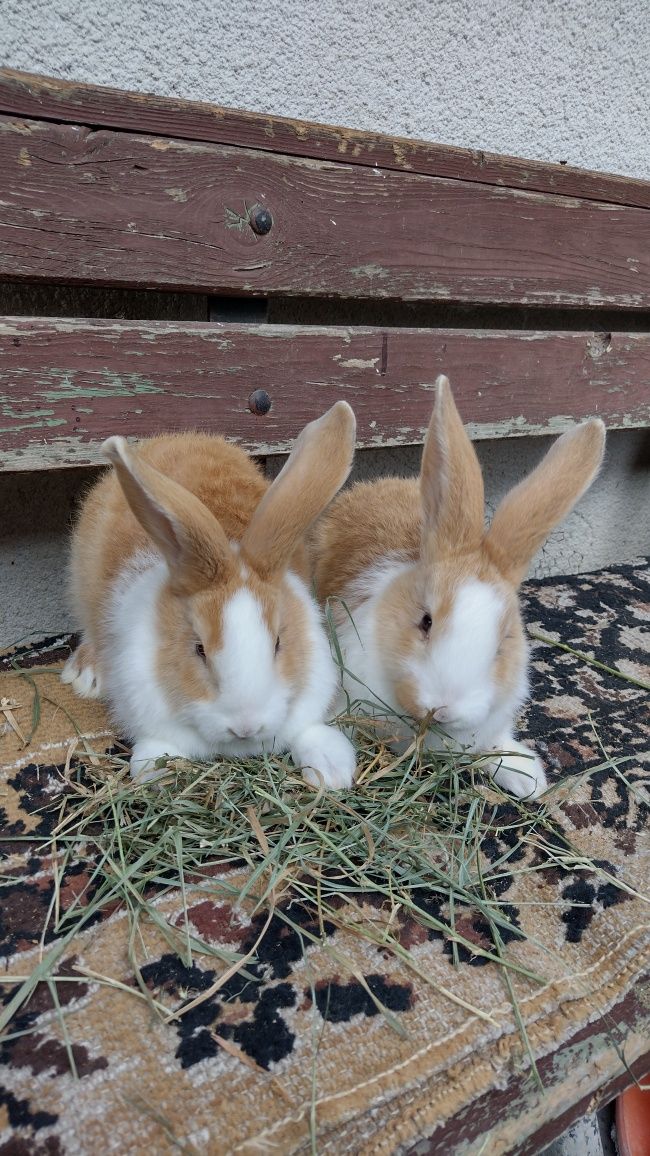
(613, 670)
(413, 824)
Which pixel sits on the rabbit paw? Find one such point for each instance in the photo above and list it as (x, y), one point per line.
(146, 753)
(522, 774)
(327, 757)
(80, 672)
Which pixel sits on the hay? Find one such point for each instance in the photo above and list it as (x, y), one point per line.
(412, 826)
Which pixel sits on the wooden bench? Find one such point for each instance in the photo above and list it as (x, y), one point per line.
(526, 283)
(109, 189)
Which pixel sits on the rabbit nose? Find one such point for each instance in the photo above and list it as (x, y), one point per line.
(442, 714)
(244, 730)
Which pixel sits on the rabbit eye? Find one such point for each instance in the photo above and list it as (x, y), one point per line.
(425, 623)
(277, 644)
(200, 650)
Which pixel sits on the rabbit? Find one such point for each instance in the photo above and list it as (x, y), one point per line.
(190, 579)
(425, 600)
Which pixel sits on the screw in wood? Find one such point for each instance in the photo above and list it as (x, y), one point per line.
(260, 219)
(259, 402)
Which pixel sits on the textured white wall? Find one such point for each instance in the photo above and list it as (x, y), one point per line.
(547, 79)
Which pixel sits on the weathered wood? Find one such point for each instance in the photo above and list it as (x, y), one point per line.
(103, 208)
(66, 385)
(46, 98)
(585, 1072)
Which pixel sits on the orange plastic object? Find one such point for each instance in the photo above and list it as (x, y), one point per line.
(633, 1121)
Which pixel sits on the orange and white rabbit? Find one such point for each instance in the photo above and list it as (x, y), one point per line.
(190, 580)
(425, 600)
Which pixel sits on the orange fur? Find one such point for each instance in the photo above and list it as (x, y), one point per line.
(438, 523)
(363, 525)
(184, 529)
(422, 588)
(199, 619)
(108, 534)
(318, 465)
(451, 482)
(528, 513)
(442, 514)
(193, 496)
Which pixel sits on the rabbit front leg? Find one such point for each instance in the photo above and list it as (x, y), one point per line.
(325, 756)
(147, 752)
(518, 771)
(323, 753)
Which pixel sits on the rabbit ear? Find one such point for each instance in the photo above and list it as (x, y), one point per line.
(316, 469)
(526, 516)
(187, 534)
(451, 482)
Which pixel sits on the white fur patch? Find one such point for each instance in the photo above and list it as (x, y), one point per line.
(373, 582)
(452, 674)
(453, 677)
(317, 694)
(84, 680)
(243, 568)
(245, 664)
(326, 756)
(519, 770)
(133, 635)
(366, 678)
(252, 711)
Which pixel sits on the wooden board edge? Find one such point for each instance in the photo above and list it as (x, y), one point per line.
(28, 95)
(356, 353)
(610, 1078)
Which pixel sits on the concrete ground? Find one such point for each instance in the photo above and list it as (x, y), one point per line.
(591, 1136)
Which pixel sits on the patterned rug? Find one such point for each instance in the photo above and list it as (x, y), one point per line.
(294, 1057)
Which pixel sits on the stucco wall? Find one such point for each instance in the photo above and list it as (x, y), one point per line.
(550, 79)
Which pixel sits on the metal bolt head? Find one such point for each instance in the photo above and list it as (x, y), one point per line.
(260, 219)
(259, 402)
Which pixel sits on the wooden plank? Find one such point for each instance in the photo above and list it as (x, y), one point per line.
(66, 385)
(102, 208)
(579, 1077)
(45, 98)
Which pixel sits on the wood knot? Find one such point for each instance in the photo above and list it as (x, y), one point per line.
(599, 344)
